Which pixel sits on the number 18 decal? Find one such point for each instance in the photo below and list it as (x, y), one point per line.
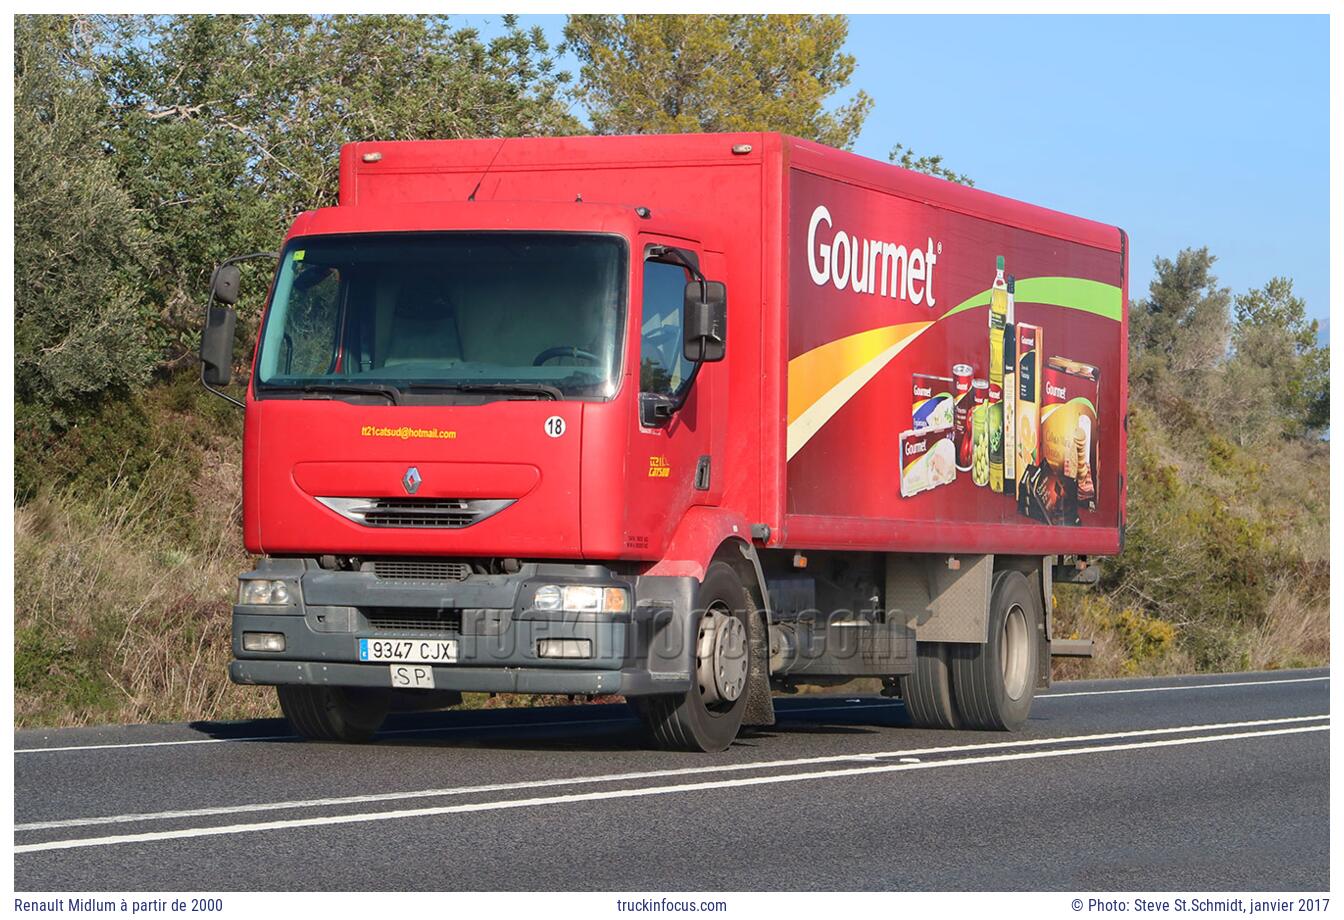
(555, 426)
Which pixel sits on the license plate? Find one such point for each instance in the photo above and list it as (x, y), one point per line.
(420, 676)
(419, 651)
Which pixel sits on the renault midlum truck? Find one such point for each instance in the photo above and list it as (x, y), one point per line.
(689, 419)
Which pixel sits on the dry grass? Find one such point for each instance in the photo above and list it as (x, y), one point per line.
(1295, 632)
(114, 622)
(1125, 643)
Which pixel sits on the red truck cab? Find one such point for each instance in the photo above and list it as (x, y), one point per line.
(524, 416)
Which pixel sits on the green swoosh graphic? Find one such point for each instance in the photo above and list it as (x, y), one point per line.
(1074, 293)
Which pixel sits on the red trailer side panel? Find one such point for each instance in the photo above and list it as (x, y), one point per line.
(890, 279)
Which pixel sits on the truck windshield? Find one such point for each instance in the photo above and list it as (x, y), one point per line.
(538, 315)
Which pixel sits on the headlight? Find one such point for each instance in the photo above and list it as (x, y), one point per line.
(548, 597)
(259, 591)
(581, 599)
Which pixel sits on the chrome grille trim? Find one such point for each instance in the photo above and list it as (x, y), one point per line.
(444, 513)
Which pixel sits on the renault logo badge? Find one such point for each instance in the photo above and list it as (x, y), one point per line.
(411, 480)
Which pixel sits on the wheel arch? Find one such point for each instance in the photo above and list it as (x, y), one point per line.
(708, 535)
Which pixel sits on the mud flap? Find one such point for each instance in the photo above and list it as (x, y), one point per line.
(760, 710)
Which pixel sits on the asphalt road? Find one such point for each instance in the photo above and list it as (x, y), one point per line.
(1190, 783)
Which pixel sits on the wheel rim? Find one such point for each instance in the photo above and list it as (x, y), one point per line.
(1014, 653)
(721, 658)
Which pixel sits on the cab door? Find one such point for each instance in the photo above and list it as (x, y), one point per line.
(671, 464)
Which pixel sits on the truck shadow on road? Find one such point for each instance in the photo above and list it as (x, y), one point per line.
(598, 727)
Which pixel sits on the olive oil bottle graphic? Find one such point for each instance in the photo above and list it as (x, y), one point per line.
(998, 321)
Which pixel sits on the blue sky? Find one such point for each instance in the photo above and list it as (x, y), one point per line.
(1184, 130)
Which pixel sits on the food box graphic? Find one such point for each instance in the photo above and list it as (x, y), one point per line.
(928, 459)
(931, 401)
(906, 319)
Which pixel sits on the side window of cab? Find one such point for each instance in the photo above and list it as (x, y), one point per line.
(662, 368)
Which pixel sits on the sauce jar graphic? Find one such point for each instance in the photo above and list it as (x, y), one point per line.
(964, 400)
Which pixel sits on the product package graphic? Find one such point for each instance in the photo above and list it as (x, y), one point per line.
(931, 401)
(1028, 408)
(980, 438)
(1027, 431)
(928, 459)
(998, 321)
(1010, 394)
(1069, 427)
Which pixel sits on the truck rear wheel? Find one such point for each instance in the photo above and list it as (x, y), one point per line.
(993, 684)
(350, 714)
(927, 692)
(708, 716)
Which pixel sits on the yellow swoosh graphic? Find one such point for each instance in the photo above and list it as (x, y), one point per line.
(825, 378)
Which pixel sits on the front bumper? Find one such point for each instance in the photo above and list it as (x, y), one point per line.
(647, 650)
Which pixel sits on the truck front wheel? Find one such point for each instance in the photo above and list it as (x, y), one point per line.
(994, 683)
(349, 714)
(708, 716)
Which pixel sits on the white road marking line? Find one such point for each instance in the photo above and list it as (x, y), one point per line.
(646, 774)
(148, 744)
(404, 814)
(457, 728)
(1239, 683)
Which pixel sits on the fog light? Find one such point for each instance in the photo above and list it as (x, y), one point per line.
(264, 642)
(565, 648)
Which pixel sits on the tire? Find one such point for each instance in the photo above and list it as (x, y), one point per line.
(707, 717)
(927, 691)
(349, 714)
(993, 684)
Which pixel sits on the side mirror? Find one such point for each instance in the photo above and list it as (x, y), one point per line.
(226, 283)
(217, 344)
(705, 330)
(220, 322)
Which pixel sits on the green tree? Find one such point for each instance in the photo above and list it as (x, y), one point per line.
(80, 320)
(650, 74)
(228, 126)
(930, 165)
(1182, 327)
(1277, 366)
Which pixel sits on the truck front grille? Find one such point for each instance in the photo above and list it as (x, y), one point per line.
(412, 619)
(420, 570)
(451, 513)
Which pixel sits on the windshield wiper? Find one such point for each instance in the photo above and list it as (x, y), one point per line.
(539, 390)
(392, 394)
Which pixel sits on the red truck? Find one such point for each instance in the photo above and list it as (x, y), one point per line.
(689, 419)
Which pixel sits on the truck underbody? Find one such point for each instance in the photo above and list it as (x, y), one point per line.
(915, 621)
